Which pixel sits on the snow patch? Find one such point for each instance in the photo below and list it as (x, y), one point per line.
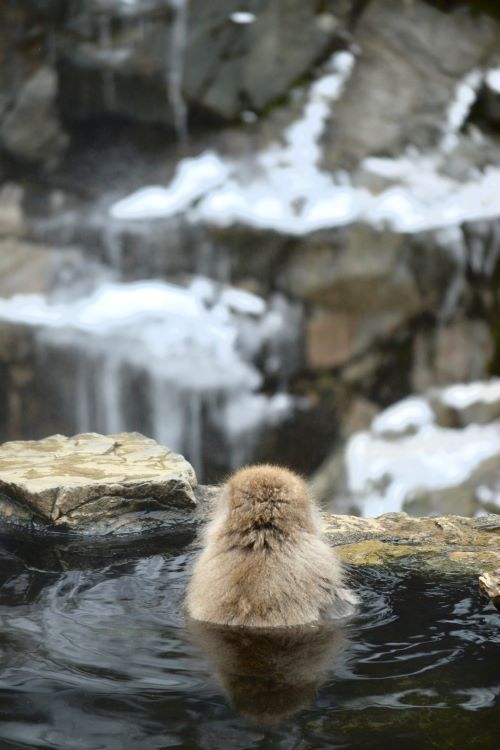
(411, 414)
(192, 179)
(243, 17)
(493, 80)
(463, 395)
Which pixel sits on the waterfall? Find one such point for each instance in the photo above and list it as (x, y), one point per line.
(176, 363)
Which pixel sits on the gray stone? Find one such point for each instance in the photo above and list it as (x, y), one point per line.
(12, 222)
(458, 352)
(30, 128)
(157, 61)
(411, 58)
(95, 483)
(25, 267)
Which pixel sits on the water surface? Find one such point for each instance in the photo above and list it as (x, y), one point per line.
(96, 654)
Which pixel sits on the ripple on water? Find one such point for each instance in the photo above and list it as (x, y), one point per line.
(103, 658)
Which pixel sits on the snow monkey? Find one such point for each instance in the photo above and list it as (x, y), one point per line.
(263, 561)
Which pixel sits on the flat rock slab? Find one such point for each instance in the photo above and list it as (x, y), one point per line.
(95, 483)
(445, 544)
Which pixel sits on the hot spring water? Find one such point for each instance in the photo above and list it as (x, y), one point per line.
(96, 653)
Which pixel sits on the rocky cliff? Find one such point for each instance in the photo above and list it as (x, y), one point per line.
(338, 163)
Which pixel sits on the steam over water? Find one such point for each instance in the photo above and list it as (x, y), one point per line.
(103, 658)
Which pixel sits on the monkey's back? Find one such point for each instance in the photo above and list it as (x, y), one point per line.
(264, 562)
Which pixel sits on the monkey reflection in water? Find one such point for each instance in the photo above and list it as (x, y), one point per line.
(265, 571)
(269, 674)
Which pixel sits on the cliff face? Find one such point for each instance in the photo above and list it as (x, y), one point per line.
(338, 162)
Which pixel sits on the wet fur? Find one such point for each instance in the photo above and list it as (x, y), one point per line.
(264, 562)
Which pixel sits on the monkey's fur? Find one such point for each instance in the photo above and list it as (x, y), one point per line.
(263, 562)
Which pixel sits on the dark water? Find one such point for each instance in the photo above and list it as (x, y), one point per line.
(101, 658)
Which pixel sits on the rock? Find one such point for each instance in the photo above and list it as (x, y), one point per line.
(489, 585)
(411, 60)
(458, 352)
(25, 267)
(359, 416)
(335, 338)
(355, 270)
(12, 223)
(95, 483)
(445, 544)
(154, 61)
(30, 129)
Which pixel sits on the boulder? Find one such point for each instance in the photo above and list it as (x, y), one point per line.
(95, 483)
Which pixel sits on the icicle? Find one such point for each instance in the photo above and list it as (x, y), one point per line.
(168, 413)
(108, 76)
(194, 429)
(109, 396)
(175, 66)
(82, 395)
(493, 252)
(112, 236)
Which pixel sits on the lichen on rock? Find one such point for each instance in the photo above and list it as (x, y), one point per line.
(444, 544)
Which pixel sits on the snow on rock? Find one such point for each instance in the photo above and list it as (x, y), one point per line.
(242, 17)
(405, 417)
(289, 192)
(387, 468)
(493, 80)
(465, 394)
(193, 178)
(465, 96)
(489, 497)
(461, 404)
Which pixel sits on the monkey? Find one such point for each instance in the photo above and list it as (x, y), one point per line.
(263, 561)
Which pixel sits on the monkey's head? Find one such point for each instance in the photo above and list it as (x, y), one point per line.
(266, 496)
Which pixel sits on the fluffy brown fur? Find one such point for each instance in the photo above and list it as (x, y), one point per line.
(264, 562)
